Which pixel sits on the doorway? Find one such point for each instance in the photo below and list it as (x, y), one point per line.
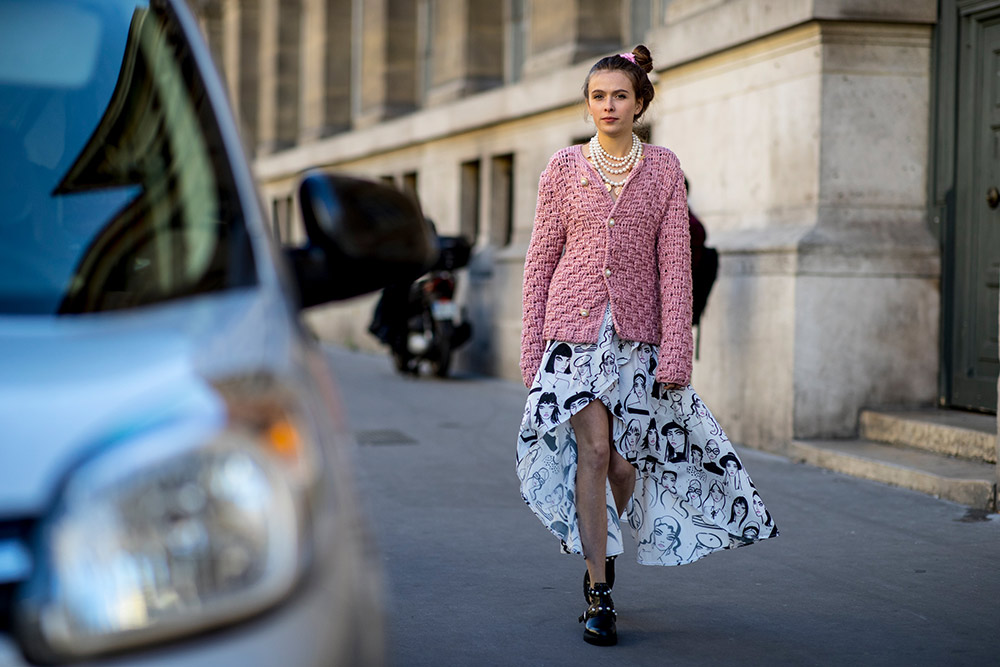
(971, 230)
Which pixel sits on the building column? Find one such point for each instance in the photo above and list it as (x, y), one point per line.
(209, 13)
(280, 32)
(564, 33)
(388, 57)
(325, 91)
(240, 26)
(466, 49)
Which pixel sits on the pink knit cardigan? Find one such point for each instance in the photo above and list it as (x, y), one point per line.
(588, 249)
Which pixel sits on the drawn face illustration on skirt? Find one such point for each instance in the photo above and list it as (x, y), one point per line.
(559, 359)
(652, 439)
(666, 534)
(706, 542)
(676, 440)
(608, 364)
(669, 481)
(584, 374)
(760, 510)
(698, 408)
(739, 512)
(578, 401)
(639, 384)
(632, 434)
(715, 493)
(694, 492)
(733, 467)
(696, 456)
(712, 450)
(751, 532)
(644, 352)
(547, 411)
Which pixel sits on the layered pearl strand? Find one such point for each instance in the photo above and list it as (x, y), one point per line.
(610, 164)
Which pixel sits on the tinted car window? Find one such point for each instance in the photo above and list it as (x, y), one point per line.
(114, 186)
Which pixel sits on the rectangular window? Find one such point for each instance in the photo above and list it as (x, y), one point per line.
(410, 185)
(469, 209)
(388, 179)
(425, 47)
(515, 41)
(640, 20)
(281, 219)
(501, 199)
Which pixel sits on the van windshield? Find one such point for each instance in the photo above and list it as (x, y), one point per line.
(115, 191)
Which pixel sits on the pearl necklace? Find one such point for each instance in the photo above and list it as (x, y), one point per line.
(611, 164)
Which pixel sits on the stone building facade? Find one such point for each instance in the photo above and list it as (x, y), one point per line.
(814, 133)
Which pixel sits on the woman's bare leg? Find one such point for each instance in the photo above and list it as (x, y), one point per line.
(621, 474)
(593, 455)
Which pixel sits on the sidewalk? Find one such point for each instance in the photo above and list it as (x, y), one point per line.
(862, 574)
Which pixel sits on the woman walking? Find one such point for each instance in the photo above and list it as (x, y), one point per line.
(608, 277)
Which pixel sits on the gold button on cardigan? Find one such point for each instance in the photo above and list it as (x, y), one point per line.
(647, 251)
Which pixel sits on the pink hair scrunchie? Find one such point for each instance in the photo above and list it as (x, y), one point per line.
(628, 56)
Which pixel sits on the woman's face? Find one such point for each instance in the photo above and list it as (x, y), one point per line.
(740, 510)
(758, 506)
(668, 480)
(675, 437)
(545, 410)
(612, 102)
(731, 468)
(712, 450)
(716, 493)
(694, 490)
(561, 364)
(696, 457)
(632, 434)
(663, 537)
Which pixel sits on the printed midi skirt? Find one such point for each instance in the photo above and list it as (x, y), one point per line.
(693, 494)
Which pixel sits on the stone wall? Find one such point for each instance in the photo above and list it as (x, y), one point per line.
(802, 126)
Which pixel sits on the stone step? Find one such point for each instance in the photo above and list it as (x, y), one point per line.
(970, 483)
(966, 435)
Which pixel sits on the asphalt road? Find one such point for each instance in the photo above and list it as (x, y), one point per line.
(862, 574)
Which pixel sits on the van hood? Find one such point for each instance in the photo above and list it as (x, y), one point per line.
(70, 384)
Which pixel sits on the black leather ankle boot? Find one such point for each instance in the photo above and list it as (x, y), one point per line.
(599, 619)
(609, 576)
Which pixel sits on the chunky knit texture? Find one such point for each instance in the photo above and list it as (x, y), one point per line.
(578, 260)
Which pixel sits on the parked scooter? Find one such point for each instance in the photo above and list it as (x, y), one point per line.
(420, 321)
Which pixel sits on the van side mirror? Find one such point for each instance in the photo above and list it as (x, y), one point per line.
(361, 236)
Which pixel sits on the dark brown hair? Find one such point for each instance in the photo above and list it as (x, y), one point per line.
(637, 72)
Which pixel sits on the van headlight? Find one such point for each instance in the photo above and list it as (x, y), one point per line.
(188, 527)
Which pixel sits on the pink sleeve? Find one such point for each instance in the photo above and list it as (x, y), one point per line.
(674, 257)
(548, 235)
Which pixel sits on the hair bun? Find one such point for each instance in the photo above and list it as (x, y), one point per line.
(643, 58)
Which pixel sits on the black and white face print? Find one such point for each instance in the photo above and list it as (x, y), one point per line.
(734, 472)
(676, 437)
(583, 374)
(663, 541)
(578, 401)
(558, 369)
(737, 515)
(693, 494)
(690, 485)
(547, 412)
(636, 401)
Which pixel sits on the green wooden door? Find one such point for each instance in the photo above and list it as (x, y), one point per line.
(975, 288)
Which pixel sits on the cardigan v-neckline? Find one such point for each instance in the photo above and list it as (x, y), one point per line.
(628, 179)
